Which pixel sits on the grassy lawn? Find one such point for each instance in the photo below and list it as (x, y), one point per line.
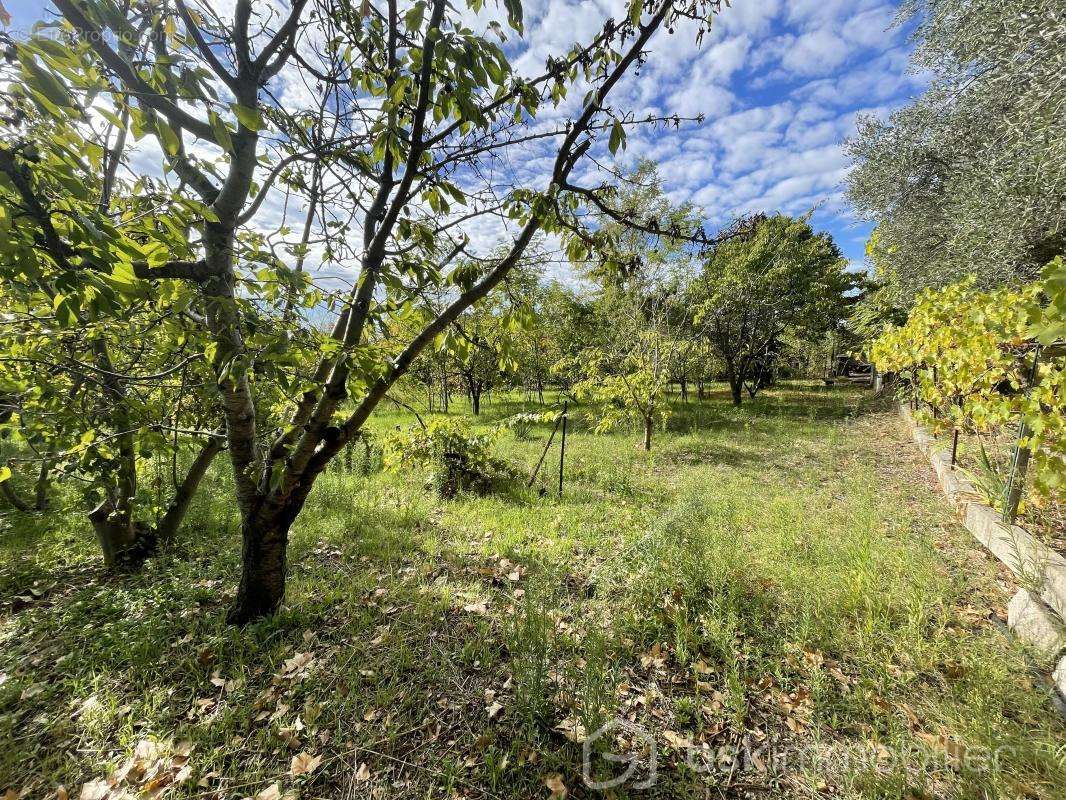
(780, 581)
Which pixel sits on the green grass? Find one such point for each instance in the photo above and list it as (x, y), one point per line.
(782, 575)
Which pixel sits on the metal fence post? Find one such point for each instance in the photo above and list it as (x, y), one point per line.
(562, 447)
(1012, 495)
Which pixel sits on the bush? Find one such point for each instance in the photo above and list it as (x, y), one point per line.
(523, 425)
(458, 460)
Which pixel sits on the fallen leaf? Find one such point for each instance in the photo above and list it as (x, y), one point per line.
(303, 763)
(272, 792)
(94, 790)
(493, 710)
(677, 741)
(572, 729)
(556, 786)
(31, 691)
(363, 773)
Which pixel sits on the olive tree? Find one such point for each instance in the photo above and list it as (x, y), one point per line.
(969, 177)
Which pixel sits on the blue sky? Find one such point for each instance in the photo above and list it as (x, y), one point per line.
(779, 84)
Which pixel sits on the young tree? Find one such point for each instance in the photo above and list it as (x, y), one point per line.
(777, 275)
(630, 363)
(417, 100)
(627, 371)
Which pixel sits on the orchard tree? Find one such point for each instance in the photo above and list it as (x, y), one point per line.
(642, 271)
(483, 340)
(418, 99)
(627, 372)
(776, 275)
(100, 377)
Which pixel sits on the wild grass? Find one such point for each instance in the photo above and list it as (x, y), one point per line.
(781, 580)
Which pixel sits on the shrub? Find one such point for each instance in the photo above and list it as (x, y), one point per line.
(522, 425)
(458, 460)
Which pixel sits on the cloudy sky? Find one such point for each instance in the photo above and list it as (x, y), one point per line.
(778, 82)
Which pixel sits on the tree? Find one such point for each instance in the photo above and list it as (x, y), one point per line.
(969, 178)
(483, 341)
(417, 98)
(627, 372)
(776, 276)
(99, 379)
(642, 271)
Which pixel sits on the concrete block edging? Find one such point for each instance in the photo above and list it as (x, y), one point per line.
(1040, 604)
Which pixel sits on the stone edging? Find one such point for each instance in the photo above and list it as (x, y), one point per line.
(1037, 611)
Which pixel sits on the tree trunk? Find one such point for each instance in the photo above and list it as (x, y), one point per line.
(736, 384)
(648, 424)
(183, 494)
(263, 568)
(684, 390)
(473, 389)
(42, 488)
(116, 534)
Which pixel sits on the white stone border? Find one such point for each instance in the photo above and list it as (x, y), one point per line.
(1037, 611)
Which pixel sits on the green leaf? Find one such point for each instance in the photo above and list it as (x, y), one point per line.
(250, 118)
(46, 85)
(618, 137)
(168, 138)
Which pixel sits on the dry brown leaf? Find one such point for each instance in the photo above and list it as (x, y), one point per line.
(556, 786)
(572, 729)
(304, 763)
(677, 741)
(95, 790)
(272, 792)
(493, 710)
(363, 773)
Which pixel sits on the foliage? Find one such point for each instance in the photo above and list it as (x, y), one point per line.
(627, 386)
(457, 459)
(384, 157)
(521, 425)
(969, 178)
(775, 276)
(101, 380)
(968, 354)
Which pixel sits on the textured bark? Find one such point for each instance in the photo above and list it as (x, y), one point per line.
(116, 533)
(648, 424)
(263, 568)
